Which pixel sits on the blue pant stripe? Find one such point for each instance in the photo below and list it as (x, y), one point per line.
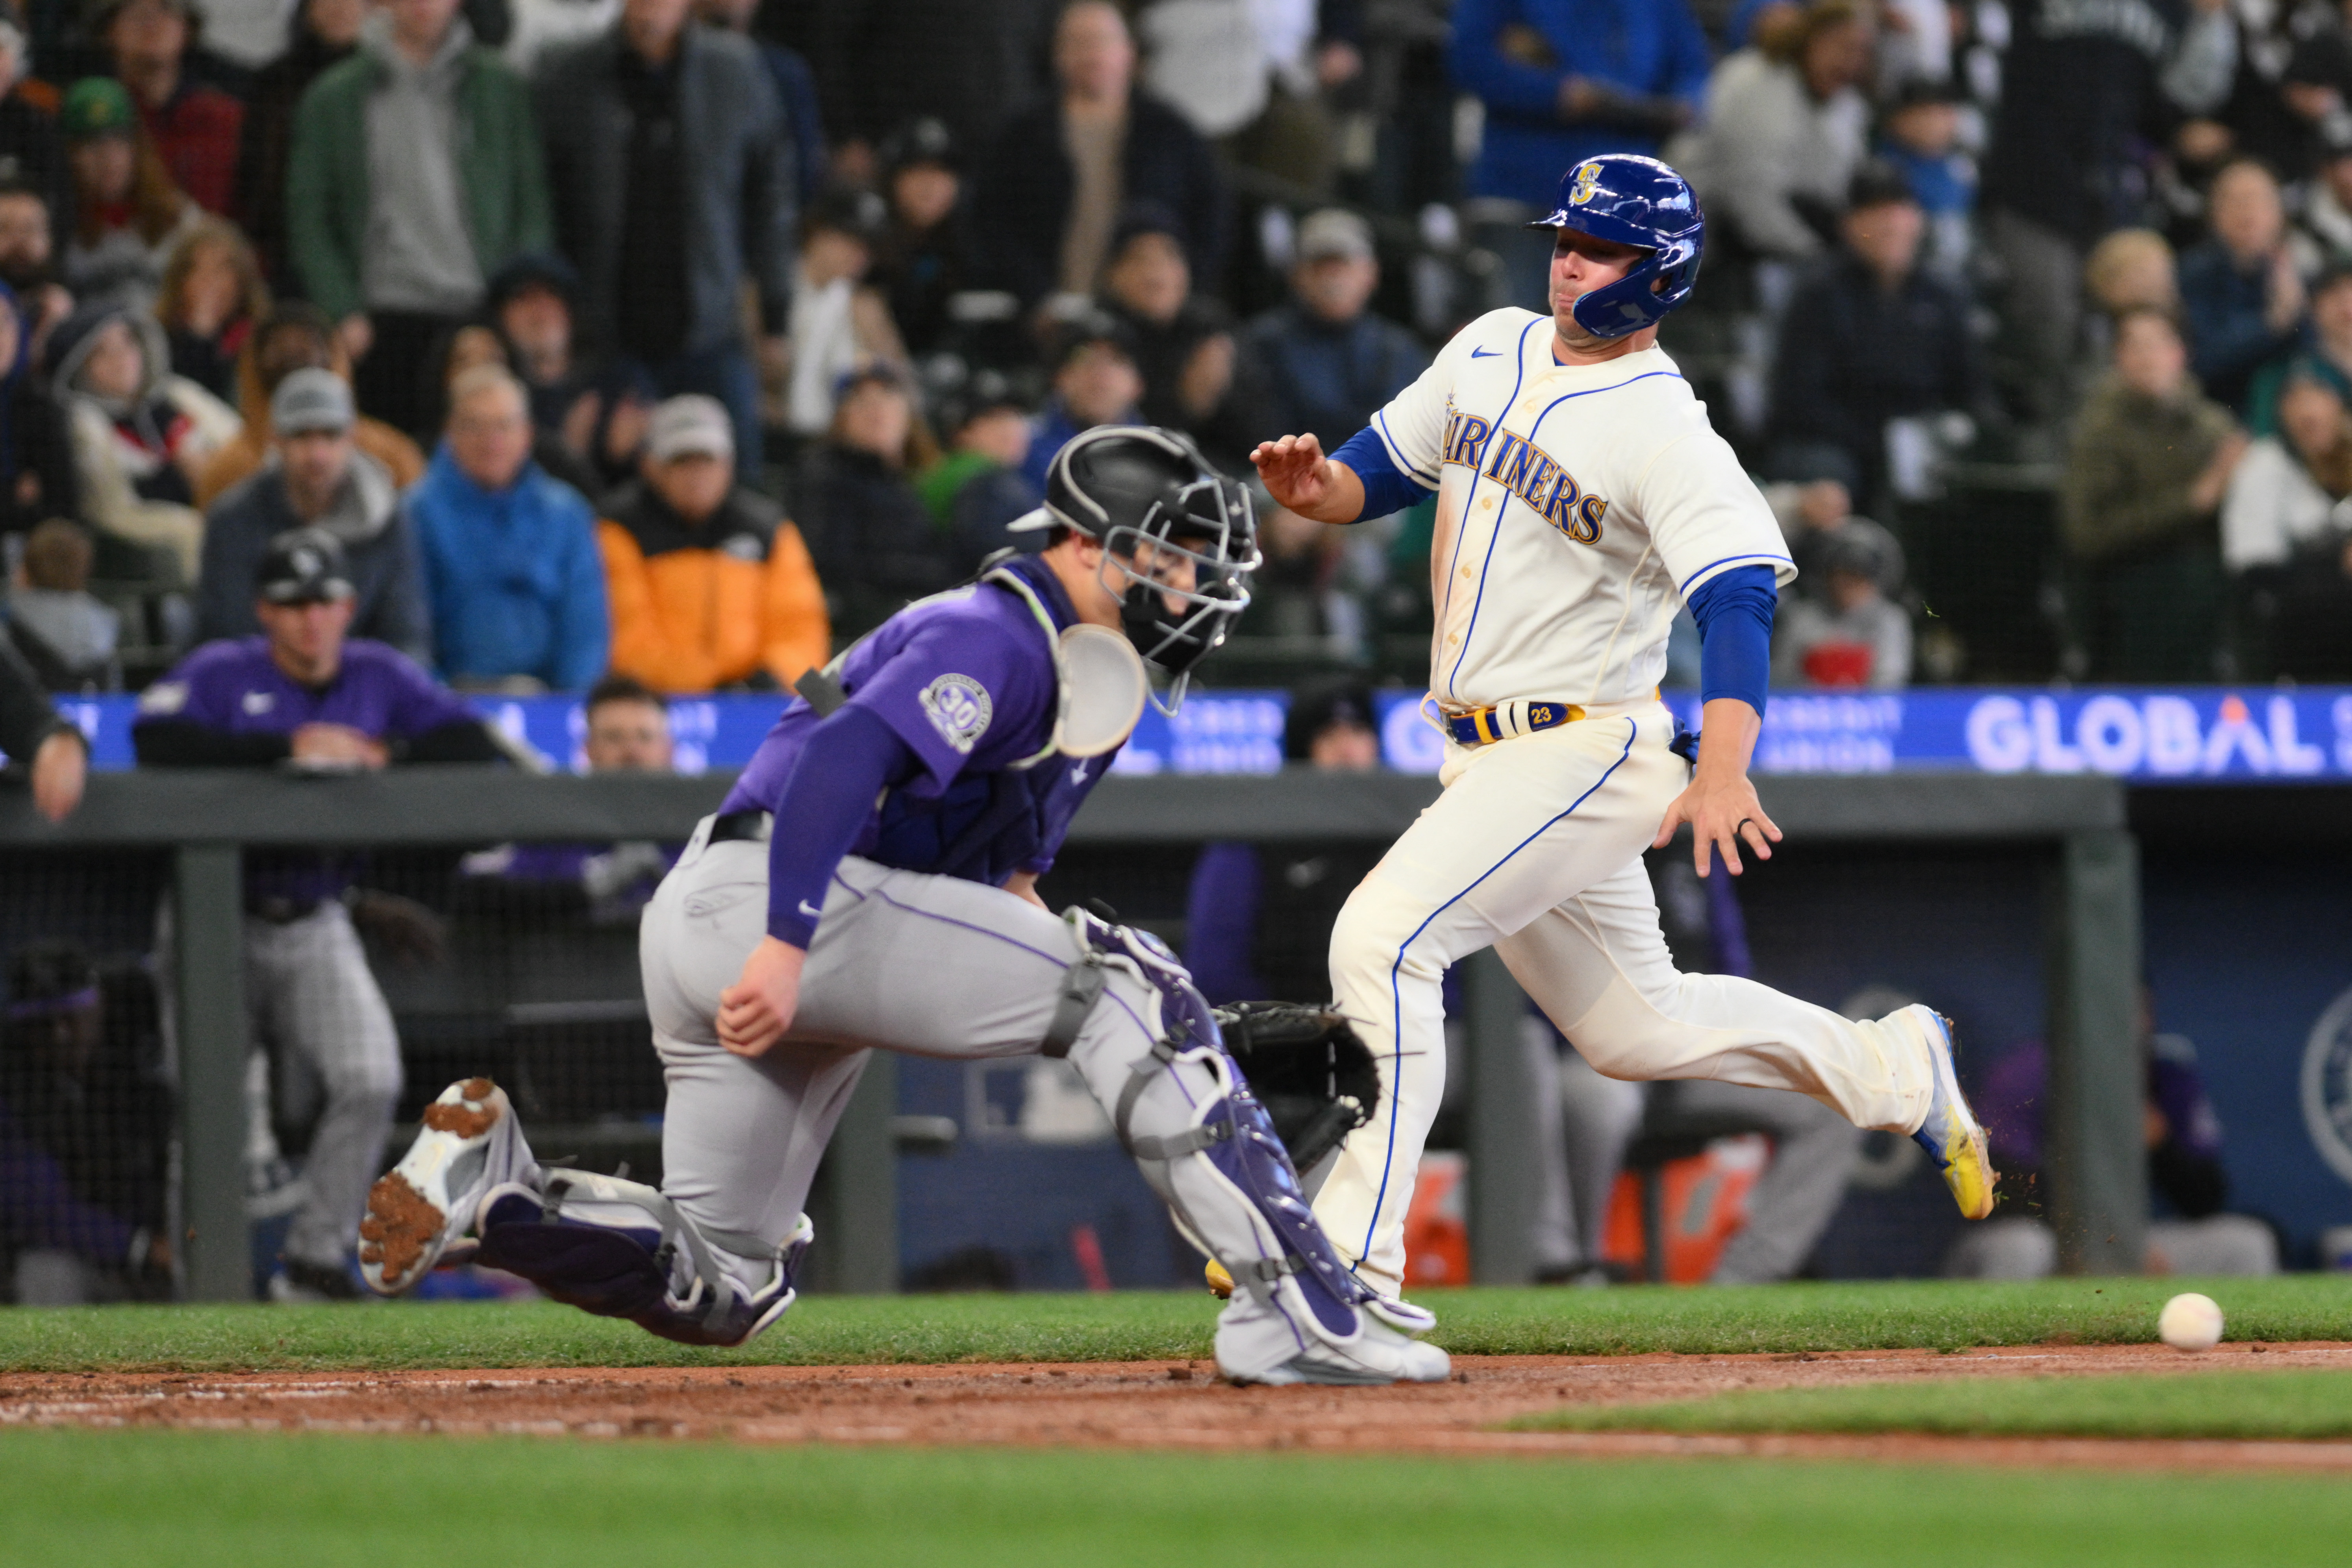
(1396, 1001)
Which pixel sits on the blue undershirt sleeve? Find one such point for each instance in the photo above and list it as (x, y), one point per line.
(1734, 611)
(1387, 487)
(847, 762)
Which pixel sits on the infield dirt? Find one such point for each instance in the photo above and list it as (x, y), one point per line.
(1151, 1405)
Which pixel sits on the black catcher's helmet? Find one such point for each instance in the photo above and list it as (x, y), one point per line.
(1180, 535)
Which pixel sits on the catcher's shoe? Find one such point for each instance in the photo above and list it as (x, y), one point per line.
(1951, 1134)
(469, 1143)
(1399, 1315)
(1378, 1354)
(620, 1270)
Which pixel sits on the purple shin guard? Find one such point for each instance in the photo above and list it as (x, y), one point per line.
(1252, 1158)
(1233, 1133)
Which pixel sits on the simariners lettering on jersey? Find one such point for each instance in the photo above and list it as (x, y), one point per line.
(1525, 469)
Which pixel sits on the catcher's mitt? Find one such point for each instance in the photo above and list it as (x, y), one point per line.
(1307, 1068)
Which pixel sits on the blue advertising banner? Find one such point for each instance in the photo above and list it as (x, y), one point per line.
(2176, 735)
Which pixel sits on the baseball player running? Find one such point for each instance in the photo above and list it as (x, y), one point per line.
(870, 882)
(1582, 498)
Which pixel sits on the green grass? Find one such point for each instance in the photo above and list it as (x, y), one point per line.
(2231, 1405)
(1128, 1326)
(191, 1500)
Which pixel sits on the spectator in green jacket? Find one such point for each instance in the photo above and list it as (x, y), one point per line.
(414, 173)
(2152, 456)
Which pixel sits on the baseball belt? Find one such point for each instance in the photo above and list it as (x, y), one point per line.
(747, 826)
(1520, 716)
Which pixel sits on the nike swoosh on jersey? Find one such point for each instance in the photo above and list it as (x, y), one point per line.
(813, 914)
(1485, 354)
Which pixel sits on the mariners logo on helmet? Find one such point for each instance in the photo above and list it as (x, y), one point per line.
(1632, 200)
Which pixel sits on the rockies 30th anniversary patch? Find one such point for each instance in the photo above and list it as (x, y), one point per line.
(959, 709)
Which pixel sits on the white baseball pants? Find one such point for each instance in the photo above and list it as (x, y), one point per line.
(1534, 849)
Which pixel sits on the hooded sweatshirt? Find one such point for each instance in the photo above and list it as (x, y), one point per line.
(364, 517)
(131, 454)
(420, 253)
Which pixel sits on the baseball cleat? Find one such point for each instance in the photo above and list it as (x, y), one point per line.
(1951, 1132)
(1400, 1315)
(469, 1142)
(1378, 1355)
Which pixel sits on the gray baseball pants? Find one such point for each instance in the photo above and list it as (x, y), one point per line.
(904, 962)
(316, 1006)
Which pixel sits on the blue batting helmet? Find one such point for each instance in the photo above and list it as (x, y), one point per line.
(1633, 200)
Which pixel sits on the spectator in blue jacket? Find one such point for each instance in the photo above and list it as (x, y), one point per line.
(2240, 290)
(1921, 137)
(1329, 362)
(511, 571)
(1563, 79)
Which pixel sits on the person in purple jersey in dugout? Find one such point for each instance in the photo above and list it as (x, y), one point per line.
(305, 694)
(627, 731)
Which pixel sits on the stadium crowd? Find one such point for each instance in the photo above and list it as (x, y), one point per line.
(528, 345)
(684, 339)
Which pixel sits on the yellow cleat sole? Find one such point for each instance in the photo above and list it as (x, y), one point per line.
(1969, 1175)
(1221, 1284)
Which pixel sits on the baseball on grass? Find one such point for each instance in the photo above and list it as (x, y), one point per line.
(2189, 1322)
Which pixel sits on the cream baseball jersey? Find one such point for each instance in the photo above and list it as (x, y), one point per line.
(1578, 506)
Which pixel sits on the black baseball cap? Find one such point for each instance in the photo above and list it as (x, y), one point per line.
(1090, 328)
(924, 140)
(304, 566)
(1321, 705)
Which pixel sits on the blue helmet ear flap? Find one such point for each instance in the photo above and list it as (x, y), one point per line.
(1656, 285)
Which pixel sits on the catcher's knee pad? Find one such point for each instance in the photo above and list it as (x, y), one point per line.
(663, 1275)
(1205, 1143)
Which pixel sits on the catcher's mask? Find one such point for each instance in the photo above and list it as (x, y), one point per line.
(1179, 540)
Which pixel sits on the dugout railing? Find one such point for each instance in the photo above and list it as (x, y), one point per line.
(203, 821)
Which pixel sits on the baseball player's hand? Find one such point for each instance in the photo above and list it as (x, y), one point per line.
(1023, 885)
(754, 1012)
(1299, 477)
(1721, 804)
(338, 744)
(60, 768)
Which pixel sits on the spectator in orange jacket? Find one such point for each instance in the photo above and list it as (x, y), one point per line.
(709, 585)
